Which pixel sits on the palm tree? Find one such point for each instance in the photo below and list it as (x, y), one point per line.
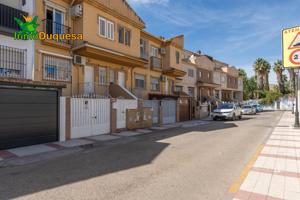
(279, 69)
(266, 75)
(262, 70)
(259, 70)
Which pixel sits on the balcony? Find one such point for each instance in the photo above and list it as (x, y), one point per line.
(7, 23)
(155, 63)
(13, 62)
(51, 27)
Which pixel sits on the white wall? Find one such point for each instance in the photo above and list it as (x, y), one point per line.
(22, 44)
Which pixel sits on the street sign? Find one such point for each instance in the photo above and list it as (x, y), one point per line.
(291, 47)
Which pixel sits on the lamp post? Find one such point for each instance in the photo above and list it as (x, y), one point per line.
(296, 72)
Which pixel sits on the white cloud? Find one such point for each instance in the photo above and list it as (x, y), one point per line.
(148, 2)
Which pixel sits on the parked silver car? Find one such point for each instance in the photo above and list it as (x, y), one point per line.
(249, 110)
(227, 111)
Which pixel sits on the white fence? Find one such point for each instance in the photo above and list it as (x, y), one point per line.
(121, 105)
(89, 117)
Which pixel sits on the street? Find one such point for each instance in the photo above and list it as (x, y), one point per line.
(183, 163)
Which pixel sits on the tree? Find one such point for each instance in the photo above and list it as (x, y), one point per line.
(259, 69)
(262, 69)
(279, 69)
(250, 88)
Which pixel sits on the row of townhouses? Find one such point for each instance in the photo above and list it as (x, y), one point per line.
(110, 56)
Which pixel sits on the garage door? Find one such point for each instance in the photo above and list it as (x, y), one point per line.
(27, 117)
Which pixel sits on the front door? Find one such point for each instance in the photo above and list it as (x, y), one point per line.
(88, 80)
(121, 78)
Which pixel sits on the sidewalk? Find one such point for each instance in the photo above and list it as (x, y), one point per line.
(43, 151)
(275, 174)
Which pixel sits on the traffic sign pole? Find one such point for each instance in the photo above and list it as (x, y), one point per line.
(296, 72)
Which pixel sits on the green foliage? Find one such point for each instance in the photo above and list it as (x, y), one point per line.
(271, 97)
(262, 69)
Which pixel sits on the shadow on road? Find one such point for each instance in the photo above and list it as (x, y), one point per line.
(91, 163)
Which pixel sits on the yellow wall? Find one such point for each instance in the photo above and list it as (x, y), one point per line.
(39, 45)
(90, 30)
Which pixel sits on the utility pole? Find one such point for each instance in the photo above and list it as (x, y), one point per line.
(296, 73)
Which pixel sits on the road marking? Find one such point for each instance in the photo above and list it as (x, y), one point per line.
(237, 183)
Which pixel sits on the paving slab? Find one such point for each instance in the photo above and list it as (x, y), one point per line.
(31, 150)
(74, 143)
(104, 137)
(129, 133)
(144, 131)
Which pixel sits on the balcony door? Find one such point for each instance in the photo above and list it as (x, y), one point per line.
(54, 21)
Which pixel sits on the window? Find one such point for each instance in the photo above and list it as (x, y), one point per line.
(143, 48)
(178, 88)
(155, 84)
(140, 81)
(208, 75)
(110, 30)
(121, 31)
(55, 21)
(177, 57)
(58, 69)
(102, 76)
(102, 27)
(190, 72)
(191, 92)
(200, 74)
(12, 62)
(127, 37)
(154, 52)
(106, 28)
(124, 35)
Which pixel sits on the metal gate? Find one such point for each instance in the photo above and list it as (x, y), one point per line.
(154, 105)
(89, 117)
(168, 111)
(184, 109)
(121, 105)
(27, 117)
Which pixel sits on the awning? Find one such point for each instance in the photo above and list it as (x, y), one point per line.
(108, 55)
(211, 85)
(174, 72)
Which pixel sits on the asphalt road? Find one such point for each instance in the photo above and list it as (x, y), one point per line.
(184, 163)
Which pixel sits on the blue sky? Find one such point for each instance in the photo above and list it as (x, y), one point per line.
(234, 31)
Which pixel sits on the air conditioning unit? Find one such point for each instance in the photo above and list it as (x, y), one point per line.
(77, 11)
(162, 51)
(163, 78)
(79, 60)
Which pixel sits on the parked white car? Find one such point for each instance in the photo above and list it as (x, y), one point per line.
(227, 111)
(249, 110)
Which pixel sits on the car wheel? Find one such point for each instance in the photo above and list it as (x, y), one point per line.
(214, 118)
(240, 117)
